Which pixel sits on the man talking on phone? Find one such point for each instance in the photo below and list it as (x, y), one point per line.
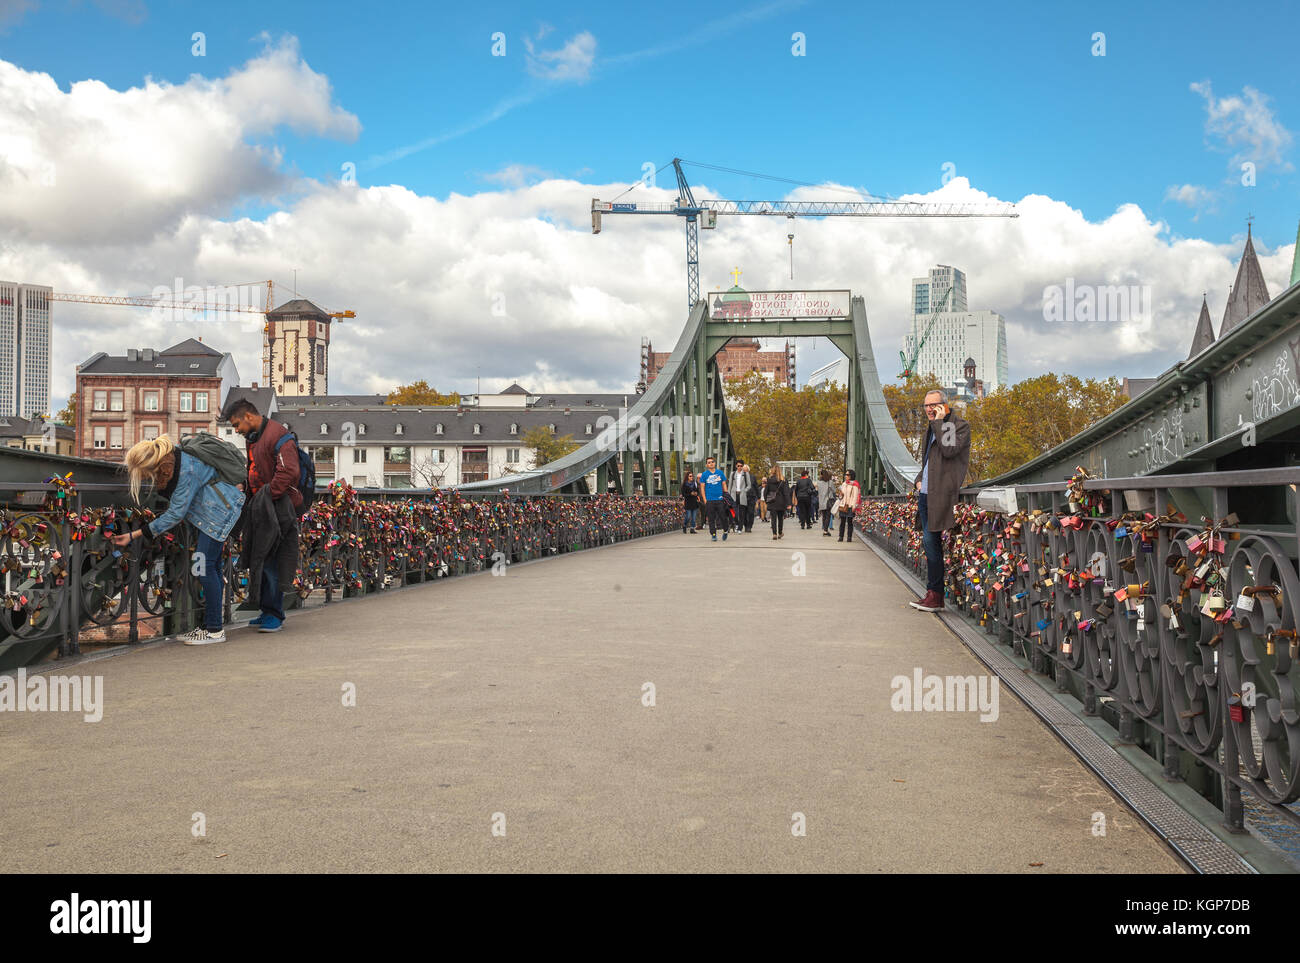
(945, 457)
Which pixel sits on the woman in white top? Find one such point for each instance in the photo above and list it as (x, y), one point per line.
(824, 490)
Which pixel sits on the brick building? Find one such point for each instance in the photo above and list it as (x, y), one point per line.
(737, 359)
(122, 399)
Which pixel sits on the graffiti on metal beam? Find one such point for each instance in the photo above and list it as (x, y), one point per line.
(1277, 390)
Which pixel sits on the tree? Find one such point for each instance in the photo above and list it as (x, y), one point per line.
(68, 416)
(1020, 422)
(547, 447)
(905, 406)
(772, 422)
(427, 472)
(419, 393)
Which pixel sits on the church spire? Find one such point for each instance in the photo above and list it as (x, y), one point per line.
(1204, 336)
(1249, 292)
(1295, 258)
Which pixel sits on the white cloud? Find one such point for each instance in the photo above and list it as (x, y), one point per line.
(1192, 195)
(515, 175)
(99, 166)
(510, 281)
(1245, 124)
(572, 62)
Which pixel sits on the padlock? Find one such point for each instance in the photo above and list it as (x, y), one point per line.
(1236, 711)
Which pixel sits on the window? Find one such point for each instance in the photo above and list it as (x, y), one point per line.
(358, 456)
(512, 455)
(360, 481)
(589, 429)
(397, 454)
(399, 428)
(439, 455)
(150, 432)
(437, 429)
(477, 428)
(101, 435)
(150, 401)
(187, 401)
(115, 436)
(115, 401)
(324, 429)
(552, 427)
(101, 401)
(361, 428)
(514, 429)
(397, 481)
(200, 401)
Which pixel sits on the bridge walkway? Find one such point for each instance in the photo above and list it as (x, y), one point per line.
(517, 701)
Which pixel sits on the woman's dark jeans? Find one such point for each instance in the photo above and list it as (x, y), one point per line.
(212, 580)
(826, 519)
(846, 519)
(778, 522)
(689, 520)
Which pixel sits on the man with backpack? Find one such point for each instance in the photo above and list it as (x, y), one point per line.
(275, 503)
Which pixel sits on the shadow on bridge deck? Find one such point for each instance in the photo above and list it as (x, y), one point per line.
(523, 695)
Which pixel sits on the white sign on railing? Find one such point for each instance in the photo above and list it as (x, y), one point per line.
(759, 305)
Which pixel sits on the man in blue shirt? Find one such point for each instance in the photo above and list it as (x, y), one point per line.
(713, 484)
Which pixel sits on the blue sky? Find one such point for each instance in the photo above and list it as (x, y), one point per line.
(1127, 166)
(885, 96)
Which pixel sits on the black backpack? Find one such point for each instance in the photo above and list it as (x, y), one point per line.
(306, 471)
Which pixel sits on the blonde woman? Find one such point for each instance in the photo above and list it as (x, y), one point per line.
(195, 494)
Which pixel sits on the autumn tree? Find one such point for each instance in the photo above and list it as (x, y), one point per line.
(905, 406)
(419, 393)
(547, 447)
(1020, 422)
(68, 416)
(771, 422)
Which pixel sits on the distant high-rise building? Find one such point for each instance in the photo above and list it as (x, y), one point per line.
(929, 292)
(24, 349)
(957, 333)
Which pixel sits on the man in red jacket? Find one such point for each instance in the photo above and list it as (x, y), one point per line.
(278, 471)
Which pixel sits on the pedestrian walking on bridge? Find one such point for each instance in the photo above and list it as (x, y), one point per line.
(825, 495)
(713, 485)
(690, 501)
(776, 493)
(846, 505)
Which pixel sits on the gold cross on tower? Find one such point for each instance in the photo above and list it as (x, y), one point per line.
(735, 276)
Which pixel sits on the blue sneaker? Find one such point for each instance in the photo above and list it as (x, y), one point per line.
(724, 536)
(270, 623)
(257, 621)
(715, 538)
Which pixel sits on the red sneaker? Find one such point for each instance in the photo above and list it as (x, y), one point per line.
(933, 602)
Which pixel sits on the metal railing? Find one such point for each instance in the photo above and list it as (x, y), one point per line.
(65, 582)
(1170, 609)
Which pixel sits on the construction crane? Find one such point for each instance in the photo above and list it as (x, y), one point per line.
(192, 304)
(705, 213)
(909, 366)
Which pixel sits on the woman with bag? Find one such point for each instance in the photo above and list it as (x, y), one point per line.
(847, 504)
(776, 495)
(690, 501)
(195, 494)
(825, 499)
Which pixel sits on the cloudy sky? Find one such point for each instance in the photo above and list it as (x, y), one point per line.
(433, 169)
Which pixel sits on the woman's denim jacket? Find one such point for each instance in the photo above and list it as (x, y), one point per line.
(200, 498)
